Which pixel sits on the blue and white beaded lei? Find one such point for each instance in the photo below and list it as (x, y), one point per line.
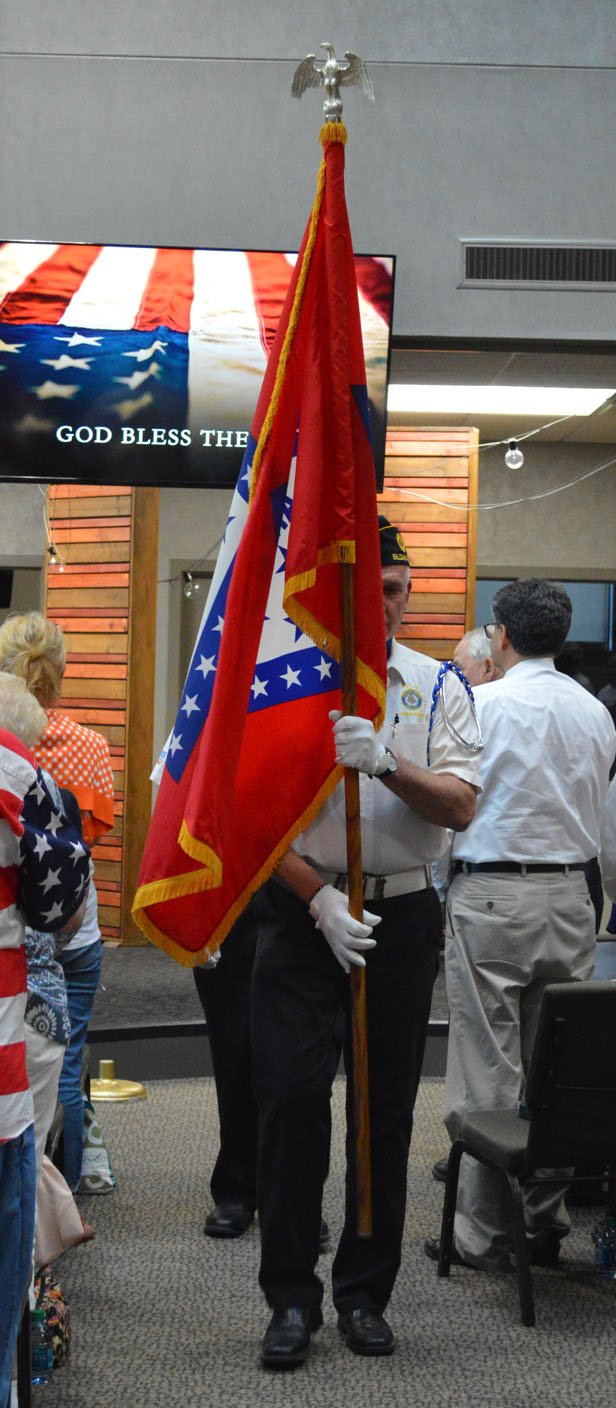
(471, 746)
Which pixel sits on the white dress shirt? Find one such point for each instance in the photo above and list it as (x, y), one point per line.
(394, 838)
(548, 747)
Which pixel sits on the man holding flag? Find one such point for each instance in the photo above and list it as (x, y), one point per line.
(252, 764)
(307, 942)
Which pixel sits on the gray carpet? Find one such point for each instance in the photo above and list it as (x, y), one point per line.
(164, 1318)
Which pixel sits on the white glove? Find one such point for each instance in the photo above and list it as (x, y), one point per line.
(346, 936)
(357, 745)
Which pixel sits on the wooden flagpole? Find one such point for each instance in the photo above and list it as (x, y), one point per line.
(361, 1090)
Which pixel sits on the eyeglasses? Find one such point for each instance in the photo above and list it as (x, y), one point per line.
(490, 628)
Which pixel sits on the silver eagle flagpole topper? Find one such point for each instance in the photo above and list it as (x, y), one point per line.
(332, 76)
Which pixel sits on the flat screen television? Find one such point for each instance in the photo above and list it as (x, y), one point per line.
(134, 365)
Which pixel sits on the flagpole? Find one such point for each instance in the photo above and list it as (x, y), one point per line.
(361, 1088)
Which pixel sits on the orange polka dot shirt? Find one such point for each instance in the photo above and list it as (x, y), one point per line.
(79, 758)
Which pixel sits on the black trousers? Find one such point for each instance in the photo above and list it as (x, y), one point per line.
(299, 991)
(224, 992)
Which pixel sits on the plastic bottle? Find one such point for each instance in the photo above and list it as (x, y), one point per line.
(605, 1247)
(42, 1348)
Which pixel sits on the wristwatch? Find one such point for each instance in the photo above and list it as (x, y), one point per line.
(391, 764)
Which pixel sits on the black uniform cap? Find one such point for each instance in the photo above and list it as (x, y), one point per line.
(393, 551)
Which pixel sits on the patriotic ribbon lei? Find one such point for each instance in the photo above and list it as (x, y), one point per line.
(470, 745)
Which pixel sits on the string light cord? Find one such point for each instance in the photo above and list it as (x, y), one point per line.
(526, 434)
(194, 566)
(506, 503)
(55, 557)
(472, 746)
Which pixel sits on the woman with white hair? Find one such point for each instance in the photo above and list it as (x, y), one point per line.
(77, 758)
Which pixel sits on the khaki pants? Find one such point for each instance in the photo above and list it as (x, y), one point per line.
(507, 937)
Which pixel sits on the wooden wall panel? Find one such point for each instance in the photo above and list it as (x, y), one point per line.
(421, 466)
(94, 599)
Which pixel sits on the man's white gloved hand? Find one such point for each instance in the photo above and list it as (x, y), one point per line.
(347, 937)
(357, 745)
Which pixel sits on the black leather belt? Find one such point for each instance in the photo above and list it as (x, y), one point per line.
(512, 867)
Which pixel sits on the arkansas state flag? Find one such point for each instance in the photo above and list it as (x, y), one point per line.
(251, 758)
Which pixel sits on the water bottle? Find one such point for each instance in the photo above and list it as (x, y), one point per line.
(605, 1248)
(41, 1348)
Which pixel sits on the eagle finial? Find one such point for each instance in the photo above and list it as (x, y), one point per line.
(332, 76)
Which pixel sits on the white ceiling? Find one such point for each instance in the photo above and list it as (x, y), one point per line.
(478, 368)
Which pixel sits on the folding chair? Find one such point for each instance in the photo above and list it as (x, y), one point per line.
(568, 1117)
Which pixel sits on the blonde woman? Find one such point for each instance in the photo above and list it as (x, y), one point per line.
(77, 758)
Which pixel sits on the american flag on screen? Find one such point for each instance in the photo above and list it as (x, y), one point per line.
(135, 340)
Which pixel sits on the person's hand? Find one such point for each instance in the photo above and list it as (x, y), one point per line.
(357, 745)
(347, 937)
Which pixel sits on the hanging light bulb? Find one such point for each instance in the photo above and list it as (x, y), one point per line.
(53, 557)
(514, 459)
(188, 585)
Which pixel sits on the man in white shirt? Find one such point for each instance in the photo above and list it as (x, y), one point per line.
(519, 914)
(307, 943)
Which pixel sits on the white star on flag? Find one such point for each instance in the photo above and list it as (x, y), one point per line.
(78, 851)
(11, 346)
(29, 422)
(60, 364)
(175, 743)
(52, 878)
(259, 687)
(41, 845)
(145, 352)
(54, 913)
(53, 388)
(190, 704)
(78, 338)
(290, 677)
(54, 823)
(219, 626)
(324, 668)
(137, 379)
(206, 666)
(126, 409)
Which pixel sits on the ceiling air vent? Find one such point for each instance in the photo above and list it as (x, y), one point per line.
(492, 264)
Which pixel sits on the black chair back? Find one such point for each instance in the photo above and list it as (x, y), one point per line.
(571, 1087)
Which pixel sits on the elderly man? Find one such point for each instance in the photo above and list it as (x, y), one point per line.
(519, 914)
(307, 943)
(473, 655)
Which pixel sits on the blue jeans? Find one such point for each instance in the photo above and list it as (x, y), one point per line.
(82, 968)
(17, 1191)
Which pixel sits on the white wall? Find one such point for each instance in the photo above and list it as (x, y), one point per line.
(159, 123)
(570, 533)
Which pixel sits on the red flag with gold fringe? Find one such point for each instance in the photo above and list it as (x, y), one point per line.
(251, 758)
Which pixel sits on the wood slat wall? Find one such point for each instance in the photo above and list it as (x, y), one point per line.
(93, 599)
(441, 537)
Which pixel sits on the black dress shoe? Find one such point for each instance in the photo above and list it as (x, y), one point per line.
(432, 1248)
(287, 1339)
(366, 1332)
(228, 1220)
(439, 1170)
